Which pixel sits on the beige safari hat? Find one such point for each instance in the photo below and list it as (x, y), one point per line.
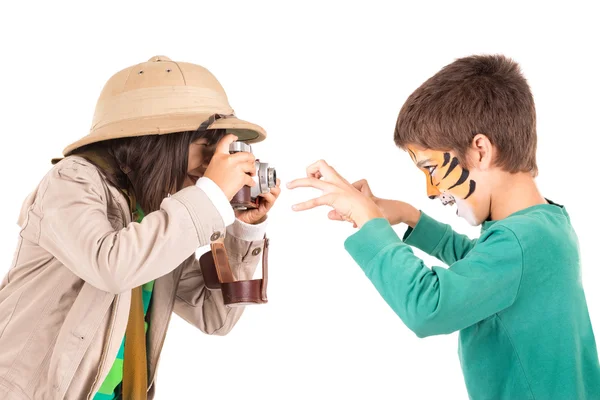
(162, 96)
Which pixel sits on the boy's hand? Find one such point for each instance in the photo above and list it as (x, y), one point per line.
(258, 215)
(348, 203)
(394, 211)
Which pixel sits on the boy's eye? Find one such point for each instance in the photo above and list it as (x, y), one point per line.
(430, 168)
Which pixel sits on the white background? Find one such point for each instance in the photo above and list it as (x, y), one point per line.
(326, 80)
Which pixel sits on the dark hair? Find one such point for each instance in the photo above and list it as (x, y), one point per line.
(148, 166)
(483, 94)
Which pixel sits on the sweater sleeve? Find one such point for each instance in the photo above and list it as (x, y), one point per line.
(439, 300)
(438, 240)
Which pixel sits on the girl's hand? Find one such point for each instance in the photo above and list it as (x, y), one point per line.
(231, 171)
(258, 215)
(348, 203)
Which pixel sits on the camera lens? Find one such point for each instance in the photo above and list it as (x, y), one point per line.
(272, 177)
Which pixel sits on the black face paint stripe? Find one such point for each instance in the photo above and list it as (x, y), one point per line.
(446, 159)
(461, 180)
(413, 156)
(471, 188)
(453, 165)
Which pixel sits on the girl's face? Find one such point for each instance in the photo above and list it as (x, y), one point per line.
(199, 157)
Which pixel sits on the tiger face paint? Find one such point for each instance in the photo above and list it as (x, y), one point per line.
(447, 180)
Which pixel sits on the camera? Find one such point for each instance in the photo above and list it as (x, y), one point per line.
(215, 265)
(265, 178)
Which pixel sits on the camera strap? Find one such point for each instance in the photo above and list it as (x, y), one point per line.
(204, 125)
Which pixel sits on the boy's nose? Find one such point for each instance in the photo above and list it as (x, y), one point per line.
(432, 191)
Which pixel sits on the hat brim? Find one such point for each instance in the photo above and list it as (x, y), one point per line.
(162, 125)
(244, 130)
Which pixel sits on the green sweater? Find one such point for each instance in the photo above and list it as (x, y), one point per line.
(515, 294)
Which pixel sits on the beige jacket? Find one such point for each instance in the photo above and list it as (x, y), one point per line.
(65, 302)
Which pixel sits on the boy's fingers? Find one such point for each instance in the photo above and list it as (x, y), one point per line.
(309, 182)
(318, 169)
(316, 175)
(362, 186)
(312, 171)
(312, 203)
(334, 215)
(321, 169)
(223, 145)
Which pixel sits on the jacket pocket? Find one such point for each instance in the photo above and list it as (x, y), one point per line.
(80, 326)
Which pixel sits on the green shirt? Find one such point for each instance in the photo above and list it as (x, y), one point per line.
(111, 387)
(515, 294)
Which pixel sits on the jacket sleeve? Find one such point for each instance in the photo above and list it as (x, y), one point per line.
(204, 308)
(69, 219)
(438, 240)
(439, 300)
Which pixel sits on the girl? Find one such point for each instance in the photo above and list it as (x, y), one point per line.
(107, 246)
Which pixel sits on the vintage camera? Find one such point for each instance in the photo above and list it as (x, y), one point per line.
(265, 178)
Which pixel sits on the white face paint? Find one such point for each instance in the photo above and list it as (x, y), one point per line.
(447, 198)
(464, 210)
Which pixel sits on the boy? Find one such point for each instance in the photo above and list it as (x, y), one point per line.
(515, 293)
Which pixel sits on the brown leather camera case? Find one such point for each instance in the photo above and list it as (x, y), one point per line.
(219, 276)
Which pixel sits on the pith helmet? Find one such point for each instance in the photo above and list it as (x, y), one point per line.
(162, 96)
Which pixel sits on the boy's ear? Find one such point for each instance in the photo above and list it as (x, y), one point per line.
(482, 151)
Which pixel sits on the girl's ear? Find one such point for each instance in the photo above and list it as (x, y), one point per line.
(482, 152)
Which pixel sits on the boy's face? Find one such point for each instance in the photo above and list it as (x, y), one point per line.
(448, 181)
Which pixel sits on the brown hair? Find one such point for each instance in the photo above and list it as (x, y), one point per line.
(483, 94)
(147, 166)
